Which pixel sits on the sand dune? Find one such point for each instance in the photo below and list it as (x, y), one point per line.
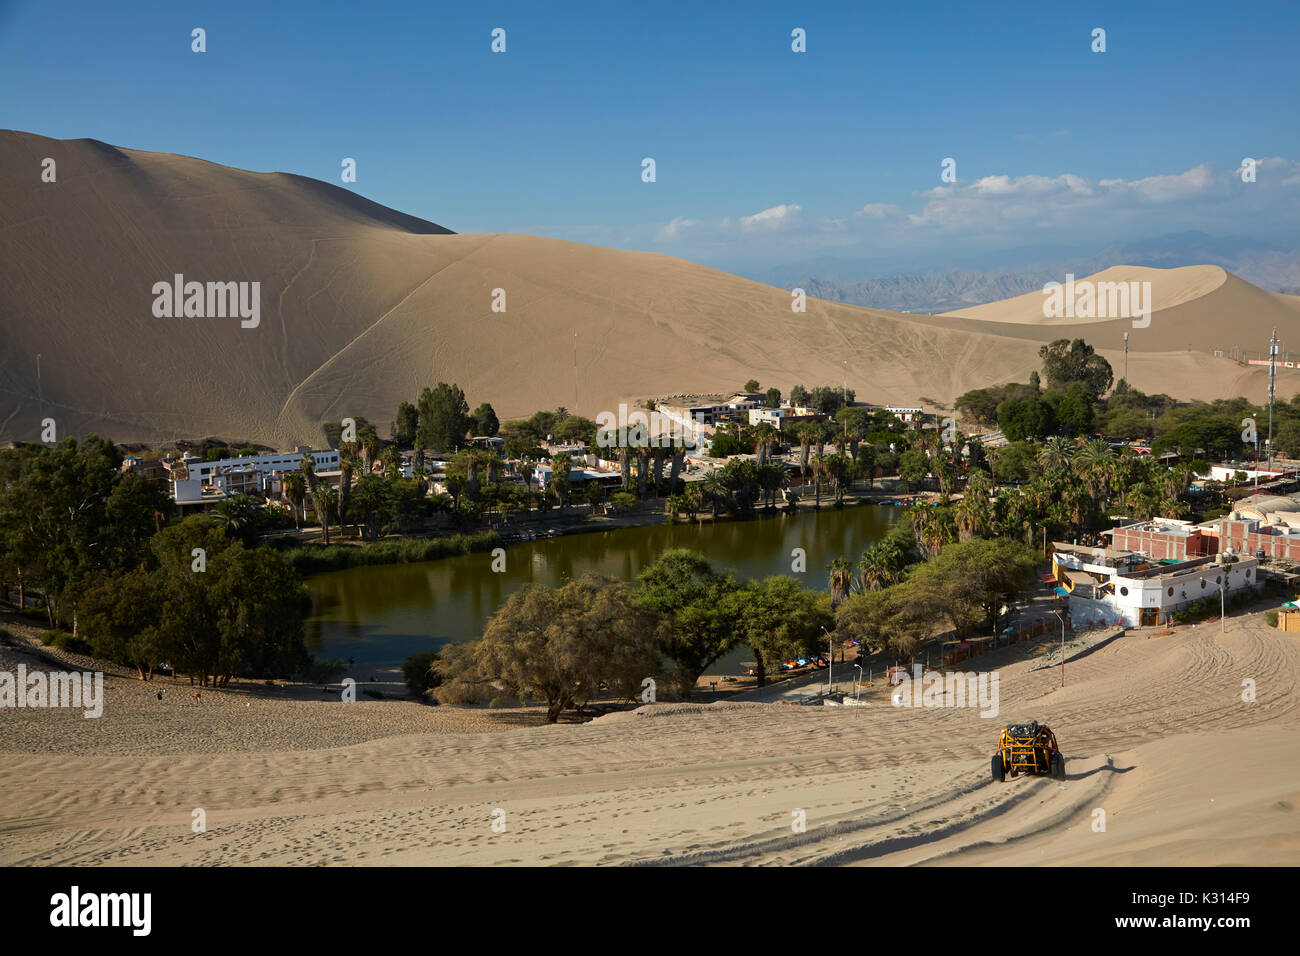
(362, 306)
(1154, 728)
(1169, 288)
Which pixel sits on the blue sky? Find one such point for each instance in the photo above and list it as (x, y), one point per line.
(762, 155)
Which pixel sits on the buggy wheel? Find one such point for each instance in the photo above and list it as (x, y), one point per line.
(999, 774)
(1058, 766)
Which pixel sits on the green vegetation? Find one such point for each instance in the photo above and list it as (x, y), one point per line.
(313, 559)
(118, 581)
(420, 673)
(564, 645)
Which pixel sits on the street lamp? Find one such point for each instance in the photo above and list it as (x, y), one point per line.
(857, 684)
(1062, 620)
(830, 662)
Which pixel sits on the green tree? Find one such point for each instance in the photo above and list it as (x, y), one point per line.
(444, 418)
(683, 590)
(778, 618)
(566, 646)
(1066, 361)
(405, 425)
(485, 421)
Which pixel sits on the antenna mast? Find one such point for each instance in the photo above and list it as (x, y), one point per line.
(1272, 382)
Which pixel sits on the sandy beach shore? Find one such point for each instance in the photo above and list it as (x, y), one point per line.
(1155, 730)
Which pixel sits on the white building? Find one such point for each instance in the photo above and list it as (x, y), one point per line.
(1108, 587)
(773, 415)
(220, 472)
(905, 414)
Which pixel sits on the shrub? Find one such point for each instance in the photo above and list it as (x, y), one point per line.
(1271, 617)
(324, 672)
(419, 677)
(65, 642)
(313, 559)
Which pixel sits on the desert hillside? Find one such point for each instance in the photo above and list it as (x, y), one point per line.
(362, 306)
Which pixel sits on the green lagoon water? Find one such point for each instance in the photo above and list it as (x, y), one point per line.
(381, 615)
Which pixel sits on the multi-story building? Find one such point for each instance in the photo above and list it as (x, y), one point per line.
(1106, 586)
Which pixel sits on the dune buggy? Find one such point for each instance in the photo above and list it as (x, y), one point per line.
(1028, 749)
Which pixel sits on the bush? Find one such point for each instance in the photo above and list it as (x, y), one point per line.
(65, 642)
(1271, 617)
(324, 672)
(419, 678)
(314, 559)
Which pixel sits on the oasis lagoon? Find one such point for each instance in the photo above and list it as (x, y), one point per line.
(382, 614)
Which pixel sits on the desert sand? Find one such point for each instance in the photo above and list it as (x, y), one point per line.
(1153, 725)
(362, 306)
(1169, 288)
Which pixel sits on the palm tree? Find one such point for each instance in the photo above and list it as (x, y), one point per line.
(295, 490)
(880, 565)
(348, 463)
(307, 466)
(417, 470)
(714, 491)
(678, 461)
(370, 449)
(804, 433)
(765, 436)
(392, 459)
(841, 581)
(594, 492)
(642, 469)
(561, 465)
(772, 477)
(238, 515)
(1055, 453)
(325, 500)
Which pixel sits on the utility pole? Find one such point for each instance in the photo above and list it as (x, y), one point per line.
(1272, 382)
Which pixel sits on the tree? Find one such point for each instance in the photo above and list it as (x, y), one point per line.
(799, 396)
(913, 466)
(752, 385)
(682, 589)
(371, 505)
(1066, 361)
(778, 619)
(566, 646)
(1028, 418)
(121, 618)
(444, 418)
(325, 501)
(772, 399)
(295, 491)
(238, 515)
(405, 425)
(1074, 412)
(485, 421)
(841, 580)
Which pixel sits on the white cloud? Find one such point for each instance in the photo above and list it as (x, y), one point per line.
(878, 210)
(676, 228)
(1166, 188)
(774, 218)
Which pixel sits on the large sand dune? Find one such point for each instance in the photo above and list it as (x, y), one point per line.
(362, 306)
(1154, 727)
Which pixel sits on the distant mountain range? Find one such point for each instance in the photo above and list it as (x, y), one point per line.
(1269, 265)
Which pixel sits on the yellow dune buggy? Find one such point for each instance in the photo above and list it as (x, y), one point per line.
(1028, 749)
